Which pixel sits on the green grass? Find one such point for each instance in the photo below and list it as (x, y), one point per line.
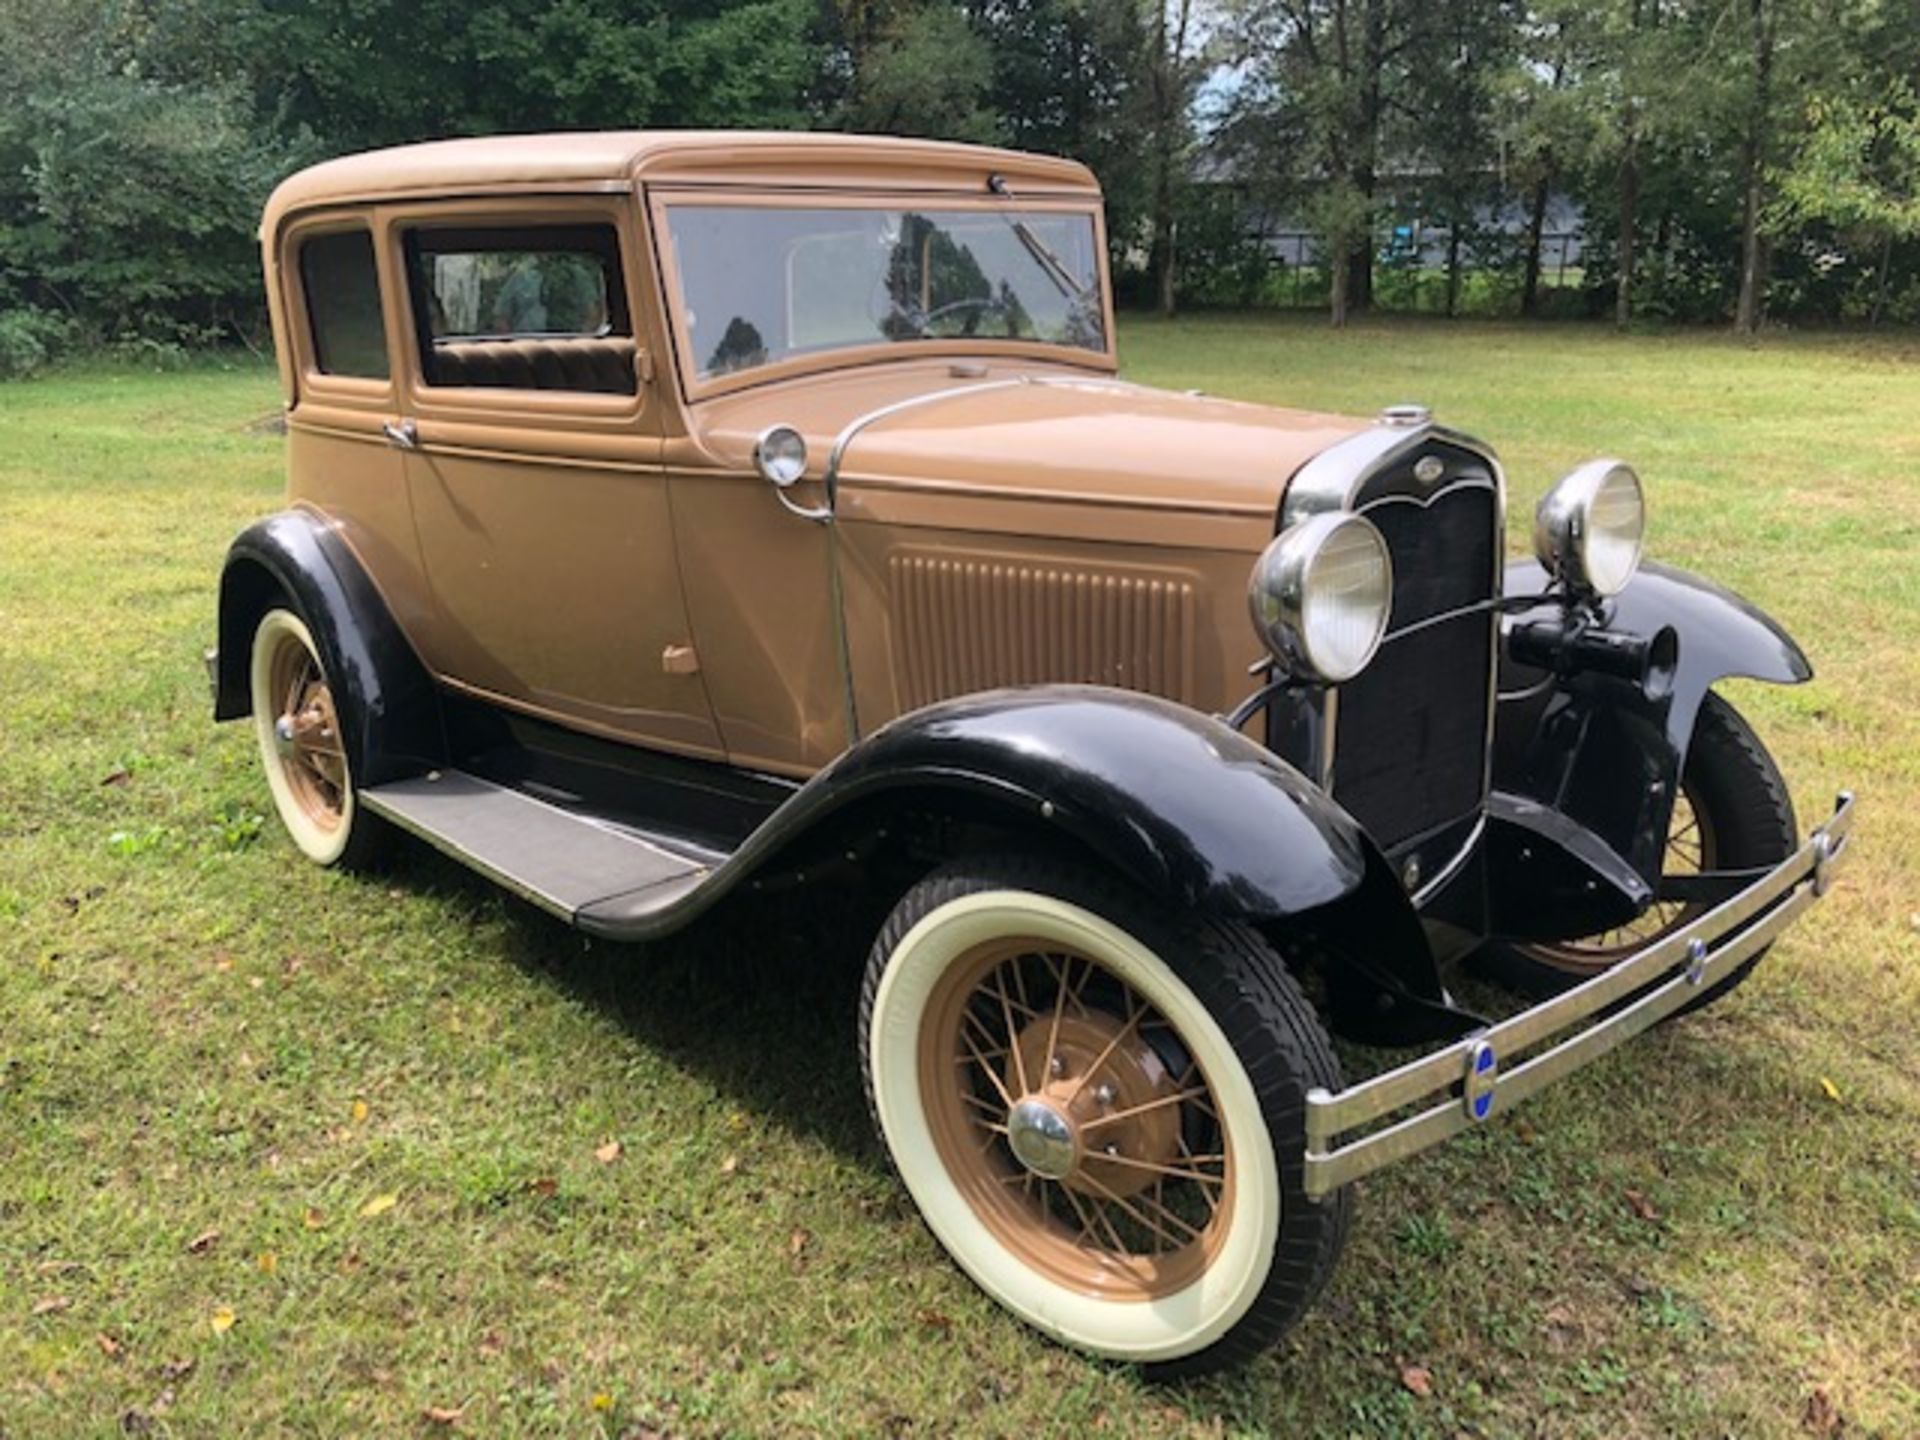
(200, 1033)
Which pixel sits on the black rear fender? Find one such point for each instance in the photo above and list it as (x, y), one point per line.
(389, 713)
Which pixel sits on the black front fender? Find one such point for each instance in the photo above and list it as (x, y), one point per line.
(389, 712)
(1586, 756)
(1195, 813)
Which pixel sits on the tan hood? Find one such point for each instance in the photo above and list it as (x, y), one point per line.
(1048, 435)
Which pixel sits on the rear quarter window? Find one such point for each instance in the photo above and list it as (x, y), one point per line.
(343, 304)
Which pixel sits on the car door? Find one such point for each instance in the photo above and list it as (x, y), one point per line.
(533, 459)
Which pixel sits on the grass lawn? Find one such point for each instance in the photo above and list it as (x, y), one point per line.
(283, 1151)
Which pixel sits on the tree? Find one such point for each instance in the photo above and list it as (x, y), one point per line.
(924, 70)
(1449, 100)
(1859, 171)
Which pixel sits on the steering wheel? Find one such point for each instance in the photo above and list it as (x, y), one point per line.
(982, 303)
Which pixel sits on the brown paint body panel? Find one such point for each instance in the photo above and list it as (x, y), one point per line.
(1007, 512)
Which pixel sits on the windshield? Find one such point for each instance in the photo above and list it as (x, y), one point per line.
(761, 284)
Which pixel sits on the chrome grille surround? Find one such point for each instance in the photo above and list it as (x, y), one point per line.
(1390, 465)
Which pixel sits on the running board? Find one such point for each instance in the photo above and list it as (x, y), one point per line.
(561, 860)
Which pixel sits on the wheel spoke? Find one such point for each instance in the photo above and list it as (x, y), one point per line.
(992, 1074)
(1142, 1108)
(1164, 1171)
(1107, 1051)
(1143, 1218)
(1006, 1011)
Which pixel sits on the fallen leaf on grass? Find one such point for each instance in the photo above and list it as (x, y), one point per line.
(797, 1243)
(730, 1164)
(268, 1262)
(442, 1414)
(1641, 1206)
(57, 1267)
(360, 1112)
(608, 1153)
(117, 776)
(178, 1370)
(1820, 1416)
(379, 1205)
(203, 1242)
(109, 1346)
(1833, 1090)
(223, 1320)
(1418, 1379)
(933, 1320)
(546, 1185)
(52, 1305)
(602, 1400)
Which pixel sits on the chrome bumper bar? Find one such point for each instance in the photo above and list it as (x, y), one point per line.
(1467, 1082)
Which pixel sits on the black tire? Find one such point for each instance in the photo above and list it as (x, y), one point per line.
(1742, 801)
(1244, 988)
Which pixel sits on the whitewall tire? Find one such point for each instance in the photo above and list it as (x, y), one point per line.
(1098, 1109)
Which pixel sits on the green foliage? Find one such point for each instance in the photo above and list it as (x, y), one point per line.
(139, 140)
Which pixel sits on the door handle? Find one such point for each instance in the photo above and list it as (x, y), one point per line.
(402, 434)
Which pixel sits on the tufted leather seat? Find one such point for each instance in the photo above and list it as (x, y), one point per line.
(595, 363)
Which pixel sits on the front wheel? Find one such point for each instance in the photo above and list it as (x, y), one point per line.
(1733, 813)
(1099, 1109)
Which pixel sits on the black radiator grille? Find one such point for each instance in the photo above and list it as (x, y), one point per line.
(1410, 740)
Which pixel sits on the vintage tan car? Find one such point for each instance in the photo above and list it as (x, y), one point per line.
(673, 511)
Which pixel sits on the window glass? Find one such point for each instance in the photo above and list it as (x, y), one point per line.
(528, 307)
(343, 304)
(759, 284)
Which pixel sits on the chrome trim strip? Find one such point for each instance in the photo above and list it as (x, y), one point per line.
(1675, 960)
(853, 427)
(829, 516)
(1453, 866)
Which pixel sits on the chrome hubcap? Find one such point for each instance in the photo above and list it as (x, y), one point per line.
(1041, 1139)
(283, 734)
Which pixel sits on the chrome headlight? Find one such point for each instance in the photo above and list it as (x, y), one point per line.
(1590, 527)
(1320, 595)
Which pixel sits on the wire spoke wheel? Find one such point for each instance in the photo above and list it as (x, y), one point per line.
(1097, 1102)
(303, 750)
(1066, 1107)
(307, 731)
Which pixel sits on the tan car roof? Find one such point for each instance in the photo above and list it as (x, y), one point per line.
(616, 159)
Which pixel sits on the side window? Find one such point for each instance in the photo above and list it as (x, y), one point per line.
(343, 304)
(522, 308)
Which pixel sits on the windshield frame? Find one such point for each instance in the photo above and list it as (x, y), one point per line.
(694, 386)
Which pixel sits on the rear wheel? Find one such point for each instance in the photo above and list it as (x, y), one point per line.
(1099, 1109)
(1733, 812)
(302, 749)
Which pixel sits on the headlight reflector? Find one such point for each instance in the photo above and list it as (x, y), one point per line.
(1320, 596)
(1590, 527)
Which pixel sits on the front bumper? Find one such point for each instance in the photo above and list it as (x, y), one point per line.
(1467, 1082)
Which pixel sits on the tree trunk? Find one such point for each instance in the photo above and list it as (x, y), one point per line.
(1340, 272)
(1880, 281)
(1169, 103)
(1536, 228)
(1629, 217)
(1750, 309)
(1453, 268)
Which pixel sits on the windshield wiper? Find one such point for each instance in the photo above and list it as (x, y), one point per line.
(1050, 264)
